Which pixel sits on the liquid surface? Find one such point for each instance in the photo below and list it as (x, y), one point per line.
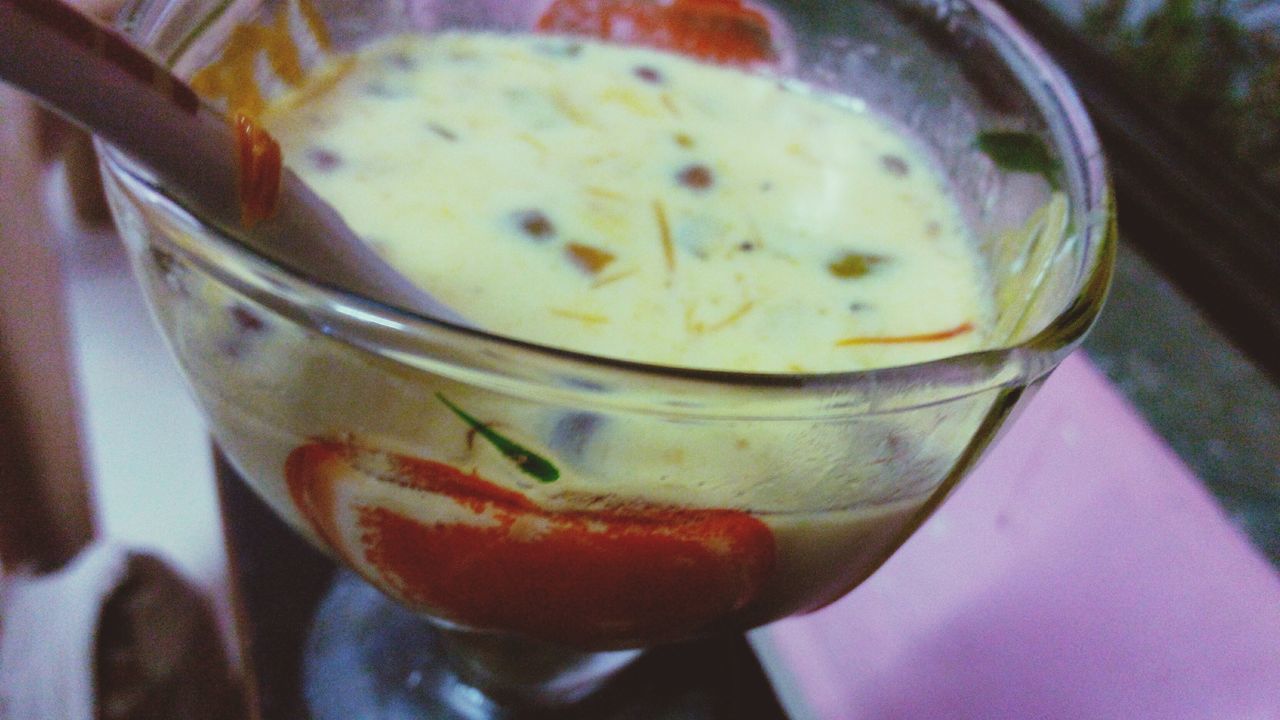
(635, 204)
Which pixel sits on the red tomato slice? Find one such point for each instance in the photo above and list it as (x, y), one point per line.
(730, 32)
(465, 549)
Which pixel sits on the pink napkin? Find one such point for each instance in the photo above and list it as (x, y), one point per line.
(1080, 572)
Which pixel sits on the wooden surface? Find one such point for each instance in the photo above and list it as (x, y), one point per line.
(45, 514)
(45, 510)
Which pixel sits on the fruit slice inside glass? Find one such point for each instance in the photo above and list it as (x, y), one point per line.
(551, 511)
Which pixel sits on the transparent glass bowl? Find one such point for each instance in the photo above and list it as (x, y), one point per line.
(687, 501)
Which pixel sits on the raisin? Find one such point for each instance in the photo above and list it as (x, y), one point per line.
(443, 132)
(246, 319)
(894, 165)
(649, 75)
(535, 224)
(323, 159)
(590, 260)
(696, 177)
(247, 326)
(400, 61)
(853, 265)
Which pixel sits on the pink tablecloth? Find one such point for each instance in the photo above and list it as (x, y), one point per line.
(1081, 572)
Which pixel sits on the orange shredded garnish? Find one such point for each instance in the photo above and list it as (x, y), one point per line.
(589, 318)
(568, 109)
(315, 24)
(234, 76)
(260, 168)
(698, 327)
(532, 141)
(610, 279)
(733, 317)
(605, 193)
(947, 334)
(319, 84)
(664, 231)
(669, 104)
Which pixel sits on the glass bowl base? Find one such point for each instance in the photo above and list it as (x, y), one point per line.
(368, 657)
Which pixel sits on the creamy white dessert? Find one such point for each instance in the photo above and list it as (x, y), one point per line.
(630, 203)
(620, 202)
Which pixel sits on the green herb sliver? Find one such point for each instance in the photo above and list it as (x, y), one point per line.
(1019, 152)
(528, 461)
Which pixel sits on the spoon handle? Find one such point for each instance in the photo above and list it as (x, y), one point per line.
(96, 78)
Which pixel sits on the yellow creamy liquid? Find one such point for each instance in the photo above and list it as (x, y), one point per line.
(626, 203)
(634, 204)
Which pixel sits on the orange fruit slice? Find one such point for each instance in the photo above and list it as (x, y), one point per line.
(728, 32)
(459, 547)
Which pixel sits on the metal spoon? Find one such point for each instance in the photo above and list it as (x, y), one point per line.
(99, 80)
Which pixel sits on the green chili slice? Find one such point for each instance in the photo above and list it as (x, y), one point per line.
(528, 461)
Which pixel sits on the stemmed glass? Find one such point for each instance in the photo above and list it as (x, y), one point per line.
(417, 452)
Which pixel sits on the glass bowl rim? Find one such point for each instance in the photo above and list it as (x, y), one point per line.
(397, 333)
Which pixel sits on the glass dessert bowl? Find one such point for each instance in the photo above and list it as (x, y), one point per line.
(552, 511)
